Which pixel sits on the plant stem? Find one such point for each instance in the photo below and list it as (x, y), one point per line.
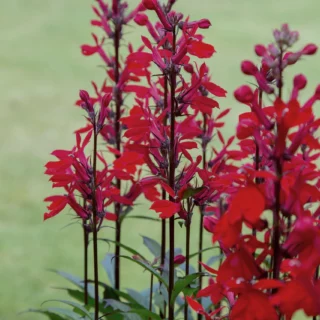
(257, 157)
(188, 224)
(316, 278)
(163, 222)
(172, 167)
(277, 190)
(94, 225)
(200, 248)
(85, 260)
(118, 102)
(150, 295)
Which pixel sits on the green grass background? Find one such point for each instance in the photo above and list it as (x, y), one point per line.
(41, 71)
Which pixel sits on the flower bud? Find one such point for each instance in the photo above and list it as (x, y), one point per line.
(84, 96)
(141, 19)
(300, 81)
(149, 4)
(247, 67)
(292, 57)
(189, 68)
(244, 94)
(260, 50)
(310, 49)
(179, 259)
(204, 24)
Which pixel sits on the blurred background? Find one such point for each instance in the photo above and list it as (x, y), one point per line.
(41, 72)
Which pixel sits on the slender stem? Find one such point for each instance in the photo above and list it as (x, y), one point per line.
(150, 294)
(204, 166)
(172, 167)
(94, 225)
(163, 253)
(277, 190)
(188, 224)
(163, 234)
(257, 156)
(316, 278)
(85, 260)
(118, 102)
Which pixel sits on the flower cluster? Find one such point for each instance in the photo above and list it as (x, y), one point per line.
(271, 265)
(157, 115)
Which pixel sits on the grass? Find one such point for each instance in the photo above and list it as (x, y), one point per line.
(41, 72)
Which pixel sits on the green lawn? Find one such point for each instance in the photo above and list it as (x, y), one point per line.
(42, 70)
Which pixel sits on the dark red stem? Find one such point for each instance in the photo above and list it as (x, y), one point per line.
(277, 191)
(150, 294)
(94, 225)
(204, 166)
(188, 224)
(85, 260)
(172, 167)
(118, 102)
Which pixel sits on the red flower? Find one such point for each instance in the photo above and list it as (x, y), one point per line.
(166, 208)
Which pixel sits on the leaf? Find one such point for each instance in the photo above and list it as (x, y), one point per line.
(137, 296)
(117, 305)
(143, 218)
(129, 249)
(108, 265)
(150, 269)
(181, 284)
(153, 246)
(146, 314)
(79, 296)
(214, 259)
(75, 280)
(190, 192)
(74, 305)
(51, 315)
(203, 250)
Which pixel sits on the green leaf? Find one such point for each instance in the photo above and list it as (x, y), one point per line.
(153, 246)
(129, 249)
(190, 192)
(75, 305)
(146, 314)
(203, 250)
(181, 284)
(50, 315)
(118, 305)
(147, 267)
(140, 298)
(215, 259)
(57, 313)
(143, 218)
(108, 265)
(75, 280)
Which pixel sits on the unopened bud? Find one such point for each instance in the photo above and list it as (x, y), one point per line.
(141, 19)
(84, 96)
(204, 24)
(260, 50)
(247, 67)
(179, 259)
(309, 49)
(149, 4)
(299, 81)
(244, 94)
